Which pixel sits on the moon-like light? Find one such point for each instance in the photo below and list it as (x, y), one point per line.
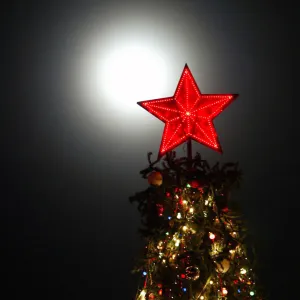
(131, 74)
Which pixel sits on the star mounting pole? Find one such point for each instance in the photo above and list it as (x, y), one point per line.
(189, 149)
(188, 115)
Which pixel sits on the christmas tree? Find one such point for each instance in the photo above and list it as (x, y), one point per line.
(195, 239)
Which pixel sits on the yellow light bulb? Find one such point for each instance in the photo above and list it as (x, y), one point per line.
(142, 295)
(184, 228)
(191, 210)
(211, 282)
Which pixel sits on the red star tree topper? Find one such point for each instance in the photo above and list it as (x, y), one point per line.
(188, 114)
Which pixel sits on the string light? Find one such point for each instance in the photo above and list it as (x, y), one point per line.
(142, 295)
(211, 236)
(224, 291)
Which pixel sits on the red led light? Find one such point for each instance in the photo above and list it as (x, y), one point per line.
(188, 114)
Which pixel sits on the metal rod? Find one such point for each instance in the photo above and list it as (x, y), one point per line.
(189, 150)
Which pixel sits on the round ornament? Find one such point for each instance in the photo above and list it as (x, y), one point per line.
(223, 266)
(195, 183)
(192, 273)
(155, 178)
(151, 296)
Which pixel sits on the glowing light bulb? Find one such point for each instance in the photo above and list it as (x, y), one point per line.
(191, 210)
(211, 236)
(224, 291)
(243, 271)
(177, 243)
(211, 282)
(202, 297)
(159, 246)
(179, 215)
(184, 202)
(142, 295)
(184, 228)
(251, 293)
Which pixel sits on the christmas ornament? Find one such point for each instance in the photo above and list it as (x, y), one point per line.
(192, 273)
(197, 184)
(194, 183)
(188, 115)
(223, 266)
(155, 178)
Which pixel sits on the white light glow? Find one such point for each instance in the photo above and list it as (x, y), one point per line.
(131, 74)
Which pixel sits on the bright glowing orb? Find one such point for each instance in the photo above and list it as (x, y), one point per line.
(132, 73)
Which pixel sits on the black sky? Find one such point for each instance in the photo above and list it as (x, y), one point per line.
(68, 228)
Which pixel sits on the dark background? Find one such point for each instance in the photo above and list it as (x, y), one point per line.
(68, 230)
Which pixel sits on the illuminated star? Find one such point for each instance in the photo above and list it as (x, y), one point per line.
(188, 114)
